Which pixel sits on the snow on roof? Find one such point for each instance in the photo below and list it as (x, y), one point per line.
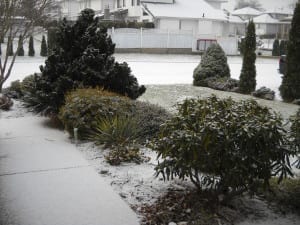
(190, 9)
(235, 19)
(246, 11)
(282, 10)
(265, 18)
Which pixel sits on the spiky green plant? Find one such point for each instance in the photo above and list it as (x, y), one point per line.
(115, 131)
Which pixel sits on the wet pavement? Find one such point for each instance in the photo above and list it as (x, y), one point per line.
(44, 180)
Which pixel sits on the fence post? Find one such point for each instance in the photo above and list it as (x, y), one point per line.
(141, 38)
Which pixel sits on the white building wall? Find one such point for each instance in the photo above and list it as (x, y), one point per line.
(191, 25)
(204, 28)
(169, 24)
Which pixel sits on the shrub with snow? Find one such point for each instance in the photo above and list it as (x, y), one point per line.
(223, 145)
(82, 58)
(213, 64)
(85, 107)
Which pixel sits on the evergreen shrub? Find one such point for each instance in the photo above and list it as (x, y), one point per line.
(31, 51)
(85, 107)
(10, 47)
(283, 47)
(290, 86)
(213, 64)
(247, 82)
(295, 134)
(223, 145)
(44, 49)
(276, 49)
(82, 58)
(20, 46)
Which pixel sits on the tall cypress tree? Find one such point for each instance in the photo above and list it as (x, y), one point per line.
(10, 47)
(44, 51)
(20, 46)
(282, 47)
(31, 51)
(276, 51)
(290, 86)
(248, 74)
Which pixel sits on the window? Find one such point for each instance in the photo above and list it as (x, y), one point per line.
(118, 3)
(138, 2)
(124, 3)
(132, 2)
(203, 44)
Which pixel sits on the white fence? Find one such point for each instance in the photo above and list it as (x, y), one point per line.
(130, 38)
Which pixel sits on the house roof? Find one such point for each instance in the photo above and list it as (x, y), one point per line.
(265, 18)
(280, 11)
(247, 11)
(189, 9)
(235, 19)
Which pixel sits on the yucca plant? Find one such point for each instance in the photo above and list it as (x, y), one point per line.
(115, 131)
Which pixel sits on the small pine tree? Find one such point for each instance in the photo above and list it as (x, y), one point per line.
(31, 51)
(44, 51)
(52, 38)
(276, 50)
(248, 74)
(10, 47)
(282, 47)
(20, 46)
(290, 86)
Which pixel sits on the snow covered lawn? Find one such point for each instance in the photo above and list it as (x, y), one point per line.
(166, 69)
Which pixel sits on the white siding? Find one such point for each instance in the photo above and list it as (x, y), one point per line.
(189, 25)
(204, 27)
(169, 24)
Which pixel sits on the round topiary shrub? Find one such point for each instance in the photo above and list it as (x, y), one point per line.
(223, 145)
(213, 64)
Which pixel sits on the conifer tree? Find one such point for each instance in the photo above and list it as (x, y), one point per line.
(276, 50)
(20, 46)
(213, 64)
(44, 51)
(290, 86)
(248, 74)
(10, 47)
(31, 51)
(83, 57)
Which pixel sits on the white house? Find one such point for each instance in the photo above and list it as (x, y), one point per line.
(265, 24)
(196, 15)
(246, 13)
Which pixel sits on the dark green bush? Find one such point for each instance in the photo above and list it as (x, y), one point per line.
(276, 49)
(247, 82)
(82, 58)
(44, 48)
(84, 105)
(224, 145)
(290, 86)
(213, 64)
(20, 46)
(295, 134)
(10, 47)
(31, 51)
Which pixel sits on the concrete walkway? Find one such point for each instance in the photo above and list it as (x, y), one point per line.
(44, 180)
